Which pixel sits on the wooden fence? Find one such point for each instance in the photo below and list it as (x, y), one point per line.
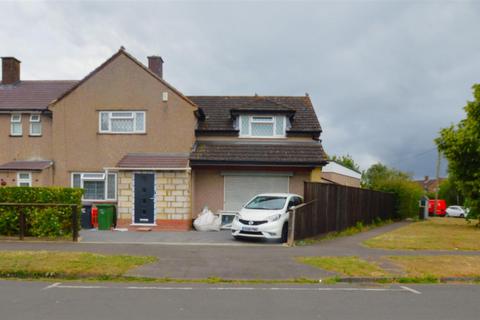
(330, 207)
(22, 220)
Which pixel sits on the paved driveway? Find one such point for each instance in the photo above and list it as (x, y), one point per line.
(222, 237)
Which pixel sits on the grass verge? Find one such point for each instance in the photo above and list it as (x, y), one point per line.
(359, 227)
(432, 234)
(439, 266)
(49, 264)
(347, 266)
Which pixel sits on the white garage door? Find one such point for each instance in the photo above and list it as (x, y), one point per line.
(239, 189)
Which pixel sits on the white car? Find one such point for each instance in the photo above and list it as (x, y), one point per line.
(457, 211)
(265, 216)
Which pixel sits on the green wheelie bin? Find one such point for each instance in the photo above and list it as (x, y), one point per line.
(105, 216)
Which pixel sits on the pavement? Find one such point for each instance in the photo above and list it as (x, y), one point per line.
(83, 301)
(250, 261)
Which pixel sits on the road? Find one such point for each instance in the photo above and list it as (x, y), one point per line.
(83, 301)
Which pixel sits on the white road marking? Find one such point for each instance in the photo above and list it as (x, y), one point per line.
(305, 289)
(410, 289)
(53, 285)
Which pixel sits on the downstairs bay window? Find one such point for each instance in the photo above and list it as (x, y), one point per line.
(96, 186)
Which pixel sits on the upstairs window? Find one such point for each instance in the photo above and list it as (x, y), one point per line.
(16, 125)
(35, 125)
(262, 126)
(96, 186)
(122, 122)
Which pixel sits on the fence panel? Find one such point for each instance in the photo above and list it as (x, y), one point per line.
(332, 207)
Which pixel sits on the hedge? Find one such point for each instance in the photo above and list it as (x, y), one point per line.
(40, 221)
(407, 194)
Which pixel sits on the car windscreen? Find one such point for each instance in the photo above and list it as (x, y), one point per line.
(266, 203)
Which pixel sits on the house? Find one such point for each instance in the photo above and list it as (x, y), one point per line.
(128, 137)
(430, 185)
(337, 173)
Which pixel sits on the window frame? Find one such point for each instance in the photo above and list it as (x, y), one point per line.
(17, 122)
(31, 122)
(133, 117)
(101, 176)
(23, 180)
(273, 120)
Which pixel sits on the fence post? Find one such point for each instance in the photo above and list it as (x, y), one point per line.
(75, 223)
(291, 228)
(22, 223)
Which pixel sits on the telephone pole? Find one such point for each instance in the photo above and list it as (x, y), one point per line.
(437, 174)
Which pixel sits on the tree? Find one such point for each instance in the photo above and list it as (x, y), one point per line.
(346, 161)
(378, 173)
(382, 178)
(449, 191)
(461, 146)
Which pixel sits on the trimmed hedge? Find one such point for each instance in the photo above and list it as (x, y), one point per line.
(40, 221)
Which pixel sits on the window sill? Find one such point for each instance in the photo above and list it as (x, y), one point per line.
(122, 134)
(35, 135)
(16, 135)
(263, 138)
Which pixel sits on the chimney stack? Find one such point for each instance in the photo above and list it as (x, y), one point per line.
(155, 64)
(10, 70)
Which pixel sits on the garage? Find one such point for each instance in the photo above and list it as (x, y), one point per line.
(241, 187)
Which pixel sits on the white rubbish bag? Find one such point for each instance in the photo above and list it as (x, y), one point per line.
(207, 221)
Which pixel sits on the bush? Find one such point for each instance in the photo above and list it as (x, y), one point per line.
(40, 221)
(407, 193)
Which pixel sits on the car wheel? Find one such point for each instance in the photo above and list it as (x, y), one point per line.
(237, 238)
(284, 233)
(462, 215)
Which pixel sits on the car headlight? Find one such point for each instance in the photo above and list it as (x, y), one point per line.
(274, 217)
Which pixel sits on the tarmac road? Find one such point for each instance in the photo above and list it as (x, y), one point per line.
(97, 300)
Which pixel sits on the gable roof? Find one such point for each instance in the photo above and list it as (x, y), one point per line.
(107, 62)
(217, 111)
(33, 95)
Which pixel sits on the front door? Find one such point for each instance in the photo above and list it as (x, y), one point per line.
(144, 197)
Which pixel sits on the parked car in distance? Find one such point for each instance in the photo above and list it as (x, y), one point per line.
(457, 211)
(441, 207)
(265, 216)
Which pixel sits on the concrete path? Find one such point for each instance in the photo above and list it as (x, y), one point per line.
(116, 301)
(234, 262)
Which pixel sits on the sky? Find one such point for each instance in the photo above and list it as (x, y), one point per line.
(384, 76)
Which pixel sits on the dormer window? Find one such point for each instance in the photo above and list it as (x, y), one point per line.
(262, 126)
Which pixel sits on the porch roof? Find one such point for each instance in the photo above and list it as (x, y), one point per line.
(158, 161)
(27, 165)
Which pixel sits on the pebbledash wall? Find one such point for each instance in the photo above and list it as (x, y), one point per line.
(173, 200)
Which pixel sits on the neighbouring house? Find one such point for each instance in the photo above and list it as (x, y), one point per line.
(128, 137)
(430, 185)
(337, 173)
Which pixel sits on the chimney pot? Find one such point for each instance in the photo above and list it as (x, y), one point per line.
(10, 70)
(155, 64)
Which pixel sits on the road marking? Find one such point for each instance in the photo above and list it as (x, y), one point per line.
(305, 289)
(410, 289)
(53, 285)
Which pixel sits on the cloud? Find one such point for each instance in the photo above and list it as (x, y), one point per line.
(384, 76)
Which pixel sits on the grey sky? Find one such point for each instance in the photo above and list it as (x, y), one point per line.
(384, 76)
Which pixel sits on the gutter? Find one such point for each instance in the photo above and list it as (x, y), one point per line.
(146, 169)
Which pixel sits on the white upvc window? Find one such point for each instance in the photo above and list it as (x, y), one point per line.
(262, 126)
(35, 125)
(122, 122)
(16, 124)
(24, 179)
(96, 186)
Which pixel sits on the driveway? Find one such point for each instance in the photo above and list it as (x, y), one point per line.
(195, 238)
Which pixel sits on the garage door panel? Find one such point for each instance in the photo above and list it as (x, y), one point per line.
(240, 189)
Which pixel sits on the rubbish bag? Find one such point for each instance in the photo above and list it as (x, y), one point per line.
(207, 221)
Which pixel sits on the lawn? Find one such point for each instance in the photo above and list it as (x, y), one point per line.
(439, 266)
(347, 266)
(66, 264)
(432, 234)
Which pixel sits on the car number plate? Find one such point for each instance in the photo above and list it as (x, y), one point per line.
(249, 229)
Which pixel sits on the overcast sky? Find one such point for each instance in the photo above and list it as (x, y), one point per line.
(384, 76)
